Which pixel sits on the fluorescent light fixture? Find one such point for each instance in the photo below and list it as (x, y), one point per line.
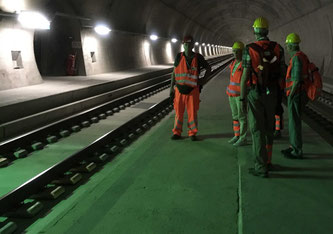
(203, 44)
(208, 45)
(174, 40)
(153, 37)
(102, 29)
(33, 20)
(197, 43)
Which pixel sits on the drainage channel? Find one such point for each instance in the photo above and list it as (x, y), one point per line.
(25, 144)
(44, 190)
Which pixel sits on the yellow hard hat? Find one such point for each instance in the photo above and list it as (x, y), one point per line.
(238, 45)
(261, 22)
(293, 38)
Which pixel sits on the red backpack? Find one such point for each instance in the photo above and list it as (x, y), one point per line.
(313, 83)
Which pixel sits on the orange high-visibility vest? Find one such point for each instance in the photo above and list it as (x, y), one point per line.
(187, 76)
(233, 90)
(305, 62)
(255, 57)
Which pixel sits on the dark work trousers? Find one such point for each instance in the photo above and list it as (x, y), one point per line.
(296, 105)
(261, 117)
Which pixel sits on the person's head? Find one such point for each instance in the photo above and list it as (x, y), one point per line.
(260, 27)
(292, 43)
(237, 50)
(188, 44)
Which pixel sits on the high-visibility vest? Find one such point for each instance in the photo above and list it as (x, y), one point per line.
(233, 89)
(187, 76)
(305, 62)
(255, 57)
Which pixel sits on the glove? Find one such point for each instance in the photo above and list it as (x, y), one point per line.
(172, 95)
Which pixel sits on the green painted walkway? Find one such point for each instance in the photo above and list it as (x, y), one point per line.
(161, 186)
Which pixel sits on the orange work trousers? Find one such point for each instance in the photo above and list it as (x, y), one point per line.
(191, 103)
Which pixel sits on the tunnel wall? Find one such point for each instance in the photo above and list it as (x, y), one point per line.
(17, 60)
(316, 32)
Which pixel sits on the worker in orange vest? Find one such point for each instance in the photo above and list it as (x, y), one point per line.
(296, 95)
(239, 118)
(184, 89)
(263, 63)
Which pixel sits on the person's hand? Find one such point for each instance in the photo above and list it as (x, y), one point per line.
(172, 95)
(243, 105)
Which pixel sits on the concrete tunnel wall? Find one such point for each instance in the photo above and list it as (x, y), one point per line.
(218, 22)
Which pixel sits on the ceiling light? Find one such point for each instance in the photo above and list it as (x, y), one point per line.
(33, 20)
(197, 43)
(153, 37)
(102, 29)
(174, 40)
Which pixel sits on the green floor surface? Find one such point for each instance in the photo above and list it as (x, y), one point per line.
(161, 186)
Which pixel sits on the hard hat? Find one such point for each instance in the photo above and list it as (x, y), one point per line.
(238, 45)
(293, 38)
(188, 39)
(260, 22)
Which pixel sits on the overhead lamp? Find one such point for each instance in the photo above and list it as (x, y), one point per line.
(33, 20)
(203, 44)
(173, 40)
(208, 45)
(197, 43)
(153, 37)
(102, 29)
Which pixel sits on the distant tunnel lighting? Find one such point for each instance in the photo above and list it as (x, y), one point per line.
(153, 37)
(33, 20)
(102, 30)
(208, 45)
(197, 43)
(174, 40)
(203, 44)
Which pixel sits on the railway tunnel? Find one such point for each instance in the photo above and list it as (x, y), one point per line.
(86, 120)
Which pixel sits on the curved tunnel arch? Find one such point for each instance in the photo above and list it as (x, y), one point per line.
(214, 22)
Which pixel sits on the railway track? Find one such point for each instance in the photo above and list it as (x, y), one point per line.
(20, 207)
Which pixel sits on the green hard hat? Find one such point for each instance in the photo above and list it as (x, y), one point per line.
(293, 38)
(238, 45)
(260, 22)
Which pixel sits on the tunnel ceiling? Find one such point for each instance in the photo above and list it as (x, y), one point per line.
(213, 20)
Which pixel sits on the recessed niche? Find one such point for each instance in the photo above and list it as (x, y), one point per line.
(93, 56)
(17, 59)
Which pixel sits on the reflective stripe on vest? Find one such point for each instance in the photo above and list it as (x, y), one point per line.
(187, 76)
(305, 63)
(255, 57)
(233, 89)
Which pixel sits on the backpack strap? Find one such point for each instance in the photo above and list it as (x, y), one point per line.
(260, 51)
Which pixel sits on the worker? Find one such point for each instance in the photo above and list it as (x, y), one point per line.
(296, 95)
(185, 88)
(239, 118)
(263, 63)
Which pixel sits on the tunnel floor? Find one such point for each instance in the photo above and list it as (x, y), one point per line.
(161, 186)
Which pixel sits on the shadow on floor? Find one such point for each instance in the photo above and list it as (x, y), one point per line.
(220, 135)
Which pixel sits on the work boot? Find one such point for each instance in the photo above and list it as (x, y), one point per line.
(263, 174)
(176, 137)
(277, 134)
(193, 138)
(285, 151)
(233, 140)
(240, 142)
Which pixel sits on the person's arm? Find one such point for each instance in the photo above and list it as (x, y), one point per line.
(296, 75)
(208, 68)
(173, 80)
(283, 69)
(172, 85)
(247, 66)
